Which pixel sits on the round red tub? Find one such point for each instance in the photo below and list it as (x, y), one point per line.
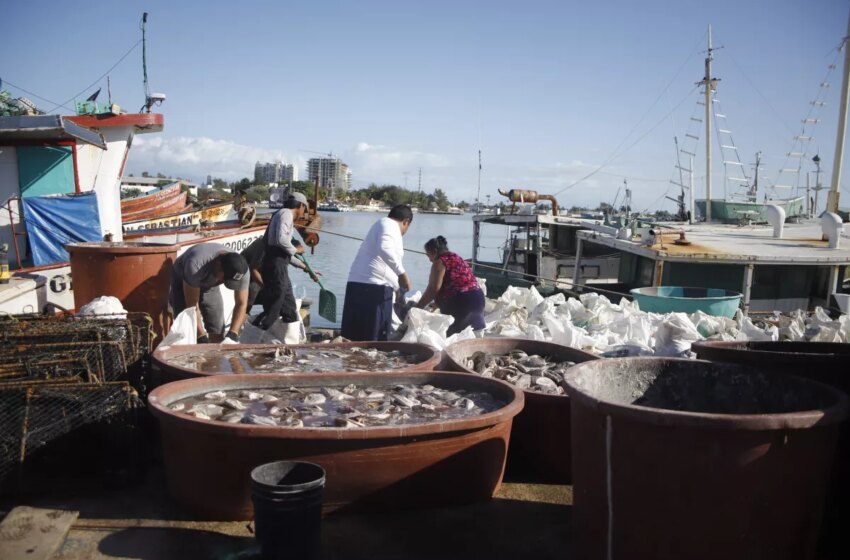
(540, 440)
(208, 463)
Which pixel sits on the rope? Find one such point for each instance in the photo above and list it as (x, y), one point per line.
(491, 267)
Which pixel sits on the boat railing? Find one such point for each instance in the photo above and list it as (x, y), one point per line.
(15, 234)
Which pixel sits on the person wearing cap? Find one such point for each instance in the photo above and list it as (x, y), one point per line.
(278, 299)
(376, 272)
(195, 278)
(255, 254)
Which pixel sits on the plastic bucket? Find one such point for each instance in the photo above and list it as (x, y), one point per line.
(689, 459)
(287, 498)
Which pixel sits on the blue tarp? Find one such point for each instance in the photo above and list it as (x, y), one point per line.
(53, 221)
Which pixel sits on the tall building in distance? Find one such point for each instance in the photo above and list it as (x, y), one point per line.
(331, 172)
(277, 172)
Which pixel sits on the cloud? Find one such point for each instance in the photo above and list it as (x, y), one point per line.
(195, 158)
(375, 163)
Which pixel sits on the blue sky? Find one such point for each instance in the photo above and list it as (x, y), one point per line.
(549, 91)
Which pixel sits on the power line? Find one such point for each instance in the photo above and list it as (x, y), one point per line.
(88, 87)
(487, 266)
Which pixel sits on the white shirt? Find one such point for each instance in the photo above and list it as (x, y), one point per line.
(280, 231)
(378, 260)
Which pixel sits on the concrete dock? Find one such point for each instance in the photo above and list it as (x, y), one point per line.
(119, 519)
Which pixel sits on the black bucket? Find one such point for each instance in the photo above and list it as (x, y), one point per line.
(287, 498)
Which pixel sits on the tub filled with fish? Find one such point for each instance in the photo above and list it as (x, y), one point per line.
(385, 439)
(197, 360)
(540, 440)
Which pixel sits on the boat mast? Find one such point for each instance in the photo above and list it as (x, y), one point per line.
(834, 192)
(710, 85)
(754, 190)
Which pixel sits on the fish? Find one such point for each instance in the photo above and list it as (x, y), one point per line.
(528, 372)
(284, 359)
(350, 407)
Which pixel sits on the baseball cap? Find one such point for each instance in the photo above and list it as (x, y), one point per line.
(299, 197)
(235, 268)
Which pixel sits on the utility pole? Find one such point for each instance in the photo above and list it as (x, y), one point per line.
(420, 179)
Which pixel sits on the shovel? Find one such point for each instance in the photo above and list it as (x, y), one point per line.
(327, 299)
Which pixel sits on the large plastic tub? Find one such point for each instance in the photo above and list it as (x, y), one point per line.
(138, 274)
(681, 459)
(208, 463)
(425, 357)
(540, 439)
(668, 299)
(827, 362)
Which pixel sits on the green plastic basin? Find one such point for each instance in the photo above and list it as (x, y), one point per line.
(669, 299)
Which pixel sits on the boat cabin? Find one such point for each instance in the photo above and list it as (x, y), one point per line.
(540, 250)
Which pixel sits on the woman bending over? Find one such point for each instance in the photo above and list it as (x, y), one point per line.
(453, 286)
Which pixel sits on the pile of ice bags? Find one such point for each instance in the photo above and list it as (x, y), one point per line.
(593, 323)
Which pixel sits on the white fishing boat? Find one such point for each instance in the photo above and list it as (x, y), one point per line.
(60, 180)
(334, 206)
(777, 267)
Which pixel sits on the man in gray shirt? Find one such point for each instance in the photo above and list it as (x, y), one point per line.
(279, 301)
(195, 278)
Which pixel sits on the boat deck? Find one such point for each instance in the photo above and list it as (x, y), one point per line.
(801, 244)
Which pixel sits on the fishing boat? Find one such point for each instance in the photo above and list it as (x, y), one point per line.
(186, 216)
(162, 208)
(334, 206)
(539, 249)
(776, 267)
(151, 198)
(60, 183)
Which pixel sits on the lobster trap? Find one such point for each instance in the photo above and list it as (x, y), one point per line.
(59, 373)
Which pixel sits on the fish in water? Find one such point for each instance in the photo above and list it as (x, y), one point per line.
(284, 359)
(349, 406)
(528, 372)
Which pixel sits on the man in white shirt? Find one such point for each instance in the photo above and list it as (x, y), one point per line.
(376, 272)
(279, 300)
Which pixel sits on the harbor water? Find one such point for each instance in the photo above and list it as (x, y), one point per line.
(335, 253)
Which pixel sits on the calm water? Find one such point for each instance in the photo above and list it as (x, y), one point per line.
(334, 254)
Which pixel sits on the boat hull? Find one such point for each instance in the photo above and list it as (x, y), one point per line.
(151, 199)
(732, 211)
(217, 213)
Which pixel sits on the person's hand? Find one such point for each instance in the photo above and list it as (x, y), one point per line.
(204, 339)
(315, 276)
(404, 282)
(299, 249)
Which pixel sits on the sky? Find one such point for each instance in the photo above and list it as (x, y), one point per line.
(563, 97)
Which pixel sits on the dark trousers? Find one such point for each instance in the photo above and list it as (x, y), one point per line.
(368, 311)
(277, 296)
(211, 304)
(467, 308)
